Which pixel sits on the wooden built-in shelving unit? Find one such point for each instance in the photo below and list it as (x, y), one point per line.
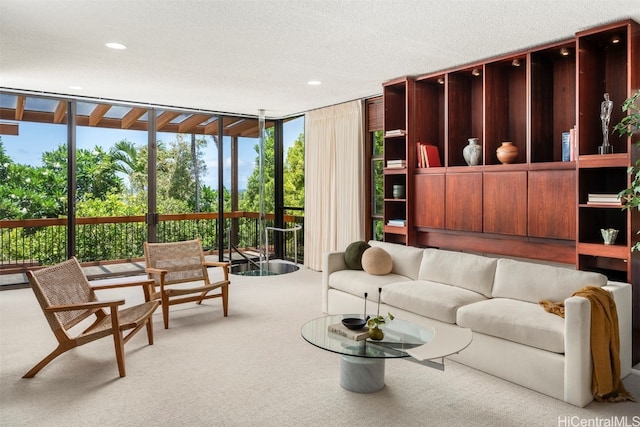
(535, 207)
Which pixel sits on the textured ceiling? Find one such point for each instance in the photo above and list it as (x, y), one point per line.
(239, 56)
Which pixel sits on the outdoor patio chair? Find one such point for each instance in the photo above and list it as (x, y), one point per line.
(179, 270)
(67, 299)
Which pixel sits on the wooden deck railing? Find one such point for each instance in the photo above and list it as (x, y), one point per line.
(30, 243)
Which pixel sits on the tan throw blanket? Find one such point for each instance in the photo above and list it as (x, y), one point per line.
(605, 343)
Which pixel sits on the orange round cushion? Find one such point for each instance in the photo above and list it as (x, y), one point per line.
(376, 261)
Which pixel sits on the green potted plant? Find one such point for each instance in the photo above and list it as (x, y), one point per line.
(628, 126)
(375, 333)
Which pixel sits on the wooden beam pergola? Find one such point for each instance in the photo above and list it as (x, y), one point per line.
(60, 112)
(165, 118)
(20, 101)
(98, 113)
(190, 123)
(132, 116)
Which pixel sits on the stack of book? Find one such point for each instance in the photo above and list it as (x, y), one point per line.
(569, 145)
(397, 222)
(428, 155)
(396, 164)
(395, 132)
(340, 329)
(604, 199)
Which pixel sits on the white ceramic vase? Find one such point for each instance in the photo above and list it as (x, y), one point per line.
(472, 153)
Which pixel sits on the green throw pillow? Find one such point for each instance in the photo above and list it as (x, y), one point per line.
(353, 254)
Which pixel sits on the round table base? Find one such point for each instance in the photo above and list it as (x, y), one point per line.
(361, 375)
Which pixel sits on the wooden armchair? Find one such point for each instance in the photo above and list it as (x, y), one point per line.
(170, 264)
(67, 298)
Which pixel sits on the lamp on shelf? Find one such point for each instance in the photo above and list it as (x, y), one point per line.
(516, 62)
(476, 72)
(565, 51)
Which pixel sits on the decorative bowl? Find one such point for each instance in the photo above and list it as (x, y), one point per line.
(354, 323)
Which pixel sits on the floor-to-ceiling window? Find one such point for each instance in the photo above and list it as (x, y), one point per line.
(374, 138)
(111, 187)
(141, 173)
(293, 184)
(33, 182)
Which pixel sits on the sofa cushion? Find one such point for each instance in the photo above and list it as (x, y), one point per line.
(406, 259)
(357, 282)
(377, 261)
(429, 299)
(522, 322)
(353, 254)
(464, 270)
(531, 282)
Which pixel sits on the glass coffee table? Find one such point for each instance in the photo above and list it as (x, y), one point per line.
(362, 362)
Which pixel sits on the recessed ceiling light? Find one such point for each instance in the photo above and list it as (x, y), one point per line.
(117, 46)
(314, 82)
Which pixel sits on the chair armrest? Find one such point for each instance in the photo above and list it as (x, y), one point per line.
(152, 270)
(222, 264)
(84, 306)
(225, 267)
(114, 285)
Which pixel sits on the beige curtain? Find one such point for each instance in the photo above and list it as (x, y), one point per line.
(334, 180)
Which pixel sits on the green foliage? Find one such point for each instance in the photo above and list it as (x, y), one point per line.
(293, 179)
(114, 183)
(250, 201)
(629, 126)
(378, 320)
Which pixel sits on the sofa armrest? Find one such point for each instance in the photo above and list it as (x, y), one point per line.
(331, 261)
(578, 365)
(577, 346)
(621, 293)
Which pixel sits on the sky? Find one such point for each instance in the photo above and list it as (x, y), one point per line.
(36, 138)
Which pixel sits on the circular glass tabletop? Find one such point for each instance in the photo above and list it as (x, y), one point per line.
(399, 336)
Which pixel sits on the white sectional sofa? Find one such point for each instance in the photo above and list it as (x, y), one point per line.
(514, 338)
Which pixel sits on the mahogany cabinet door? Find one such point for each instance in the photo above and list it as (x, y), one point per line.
(464, 201)
(505, 202)
(429, 200)
(552, 204)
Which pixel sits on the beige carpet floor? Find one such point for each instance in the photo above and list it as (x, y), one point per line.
(250, 369)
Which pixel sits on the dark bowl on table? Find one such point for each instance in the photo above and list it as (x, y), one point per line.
(354, 323)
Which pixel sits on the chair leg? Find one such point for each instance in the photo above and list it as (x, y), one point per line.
(119, 346)
(165, 310)
(44, 362)
(225, 299)
(150, 330)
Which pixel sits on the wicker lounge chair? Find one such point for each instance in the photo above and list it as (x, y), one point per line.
(67, 298)
(183, 263)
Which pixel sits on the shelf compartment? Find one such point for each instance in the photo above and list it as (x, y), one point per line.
(592, 219)
(603, 68)
(429, 102)
(505, 107)
(609, 180)
(613, 268)
(465, 102)
(553, 99)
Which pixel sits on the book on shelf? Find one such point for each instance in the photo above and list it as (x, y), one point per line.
(569, 145)
(396, 164)
(566, 146)
(395, 132)
(343, 331)
(397, 222)
(428, 155)
(604, 199)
